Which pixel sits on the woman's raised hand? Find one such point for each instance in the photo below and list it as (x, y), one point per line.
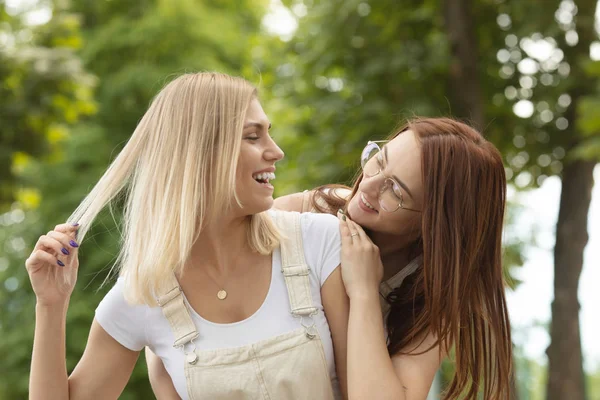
(362, 269)
(52, 265)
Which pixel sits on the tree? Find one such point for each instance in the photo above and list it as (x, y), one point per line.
(566, 379)
(43, 91)
(133, 48)
(354, 67)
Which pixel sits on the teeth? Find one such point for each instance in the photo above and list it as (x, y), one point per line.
(264, 176)
(362, 196)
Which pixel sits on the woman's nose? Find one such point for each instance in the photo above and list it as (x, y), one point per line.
(273, 152)
(370, 185)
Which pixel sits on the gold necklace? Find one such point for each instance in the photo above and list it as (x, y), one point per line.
(222, 293)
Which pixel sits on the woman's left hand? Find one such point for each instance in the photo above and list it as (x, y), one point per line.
(361, 265)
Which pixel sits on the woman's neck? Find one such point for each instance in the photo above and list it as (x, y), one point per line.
(394, 263)
(220, 245)
(396, 252)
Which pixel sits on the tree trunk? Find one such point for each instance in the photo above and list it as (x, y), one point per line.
(465, 81)
(565, 361)
(566, 379)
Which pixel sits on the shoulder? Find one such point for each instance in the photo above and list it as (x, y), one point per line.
(318, 223)
(424, 354)
(303, 201)
(309, 222)
(116, 301)
(299, 202)
(122, 320)
(417, 363)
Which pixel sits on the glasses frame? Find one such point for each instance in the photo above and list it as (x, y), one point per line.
(385, 185)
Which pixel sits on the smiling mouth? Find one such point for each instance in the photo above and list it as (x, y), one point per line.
(366, 203)
(264, 177)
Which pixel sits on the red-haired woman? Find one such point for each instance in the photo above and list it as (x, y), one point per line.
(421, 262)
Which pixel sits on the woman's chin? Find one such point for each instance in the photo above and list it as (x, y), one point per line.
(365, 220)
(250, 208)
(354, 212)
(261, 205)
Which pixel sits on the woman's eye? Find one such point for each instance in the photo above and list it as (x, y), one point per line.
(252, 138)
(397, 190)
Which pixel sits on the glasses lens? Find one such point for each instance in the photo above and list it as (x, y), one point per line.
(368, 159)
(390, 198)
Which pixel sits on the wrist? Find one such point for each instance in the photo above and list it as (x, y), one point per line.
(364, 294)
(51, 306)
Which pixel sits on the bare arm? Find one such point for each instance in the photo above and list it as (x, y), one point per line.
(300, 202)
(370, 368)
(336, 305)
(102, 372)
(160, 380)
(105, 366)
(417, 371)
(48, 376)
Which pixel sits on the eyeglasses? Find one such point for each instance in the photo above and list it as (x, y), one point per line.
(390, 192)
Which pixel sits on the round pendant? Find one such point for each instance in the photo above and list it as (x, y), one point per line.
(222, 294)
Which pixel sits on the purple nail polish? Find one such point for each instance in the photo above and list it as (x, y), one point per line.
(65, 251)
(73, 243)
(60, 263)
(75, 224)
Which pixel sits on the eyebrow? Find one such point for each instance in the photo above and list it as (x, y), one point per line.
(394, 176)
(256, 125)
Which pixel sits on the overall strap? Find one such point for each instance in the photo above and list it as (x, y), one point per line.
(176, 312)
(293, 264)
(386, 287)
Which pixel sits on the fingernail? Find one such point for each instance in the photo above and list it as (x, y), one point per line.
(75, 224)
(73, 243)
(341, 211)
(60, 263)
(343, 217)
(65, 251)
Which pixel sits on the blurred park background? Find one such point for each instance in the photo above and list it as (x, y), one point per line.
(77, 75)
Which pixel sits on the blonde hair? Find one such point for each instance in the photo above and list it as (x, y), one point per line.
(178, 176)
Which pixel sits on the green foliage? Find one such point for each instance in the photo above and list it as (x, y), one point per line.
(351, 73)
(43, 92)
(133, 48)
(355, 69)
(352, 70)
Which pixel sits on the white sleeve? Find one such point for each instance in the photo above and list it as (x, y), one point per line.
(322, 245)
(126, 323)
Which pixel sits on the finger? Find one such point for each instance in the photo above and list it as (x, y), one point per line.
(361, 235)
(39, 257)
(352, 229)
(68, 229)
(53, 247)
(344, 230)
(65, 239)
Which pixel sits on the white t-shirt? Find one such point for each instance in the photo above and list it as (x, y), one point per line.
(140, 325)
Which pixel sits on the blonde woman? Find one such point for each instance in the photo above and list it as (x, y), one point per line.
(225, 296)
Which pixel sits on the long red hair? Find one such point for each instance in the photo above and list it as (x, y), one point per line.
(458, 295)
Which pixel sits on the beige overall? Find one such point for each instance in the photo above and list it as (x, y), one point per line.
(289, 366)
